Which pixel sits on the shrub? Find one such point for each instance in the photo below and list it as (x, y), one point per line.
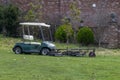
(85, 36)
(64, 33)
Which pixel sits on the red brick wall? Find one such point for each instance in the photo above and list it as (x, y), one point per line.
(54, 10)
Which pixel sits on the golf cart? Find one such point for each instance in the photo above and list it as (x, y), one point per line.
(42, 48)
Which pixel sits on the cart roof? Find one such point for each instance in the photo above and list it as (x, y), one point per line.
(34, 24)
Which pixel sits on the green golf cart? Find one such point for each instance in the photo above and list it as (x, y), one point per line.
(29, 46)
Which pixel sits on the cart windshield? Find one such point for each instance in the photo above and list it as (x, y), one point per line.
(33, 24)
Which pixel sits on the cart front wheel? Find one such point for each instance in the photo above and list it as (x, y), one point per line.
(45, 51)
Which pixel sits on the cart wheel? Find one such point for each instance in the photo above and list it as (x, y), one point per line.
(18, 50)
(92, 54)
(45, 51)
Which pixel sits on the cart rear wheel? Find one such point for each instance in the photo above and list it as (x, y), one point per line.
(18, 50)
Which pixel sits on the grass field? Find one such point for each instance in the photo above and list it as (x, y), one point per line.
(106, 66)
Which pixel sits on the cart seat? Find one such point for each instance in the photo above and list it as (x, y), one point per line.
(36, 43)
(28, 37)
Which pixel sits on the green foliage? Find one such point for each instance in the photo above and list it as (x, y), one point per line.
(1, 17)
(30, 16)
(65, 20)
(9, 19)
(85, 36)
(34, 12)
(75, 11)
(12, 19)
(64, 33)
(60, 34)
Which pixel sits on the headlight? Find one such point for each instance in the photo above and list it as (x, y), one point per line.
(51, 45)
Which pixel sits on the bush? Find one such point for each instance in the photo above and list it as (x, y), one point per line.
(85, 36)
(64, 33)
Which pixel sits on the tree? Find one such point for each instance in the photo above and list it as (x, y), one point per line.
(75, 10)
(74, 16)
(9, 19)
(101, 20)
(34, 13)
(2, 19)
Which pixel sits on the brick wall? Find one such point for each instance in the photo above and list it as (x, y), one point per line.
(94, 13)
(57, 8)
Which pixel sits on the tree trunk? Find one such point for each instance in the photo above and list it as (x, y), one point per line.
(99, 43)
(4, 31)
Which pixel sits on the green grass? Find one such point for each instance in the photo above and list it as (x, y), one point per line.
(106, 66)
